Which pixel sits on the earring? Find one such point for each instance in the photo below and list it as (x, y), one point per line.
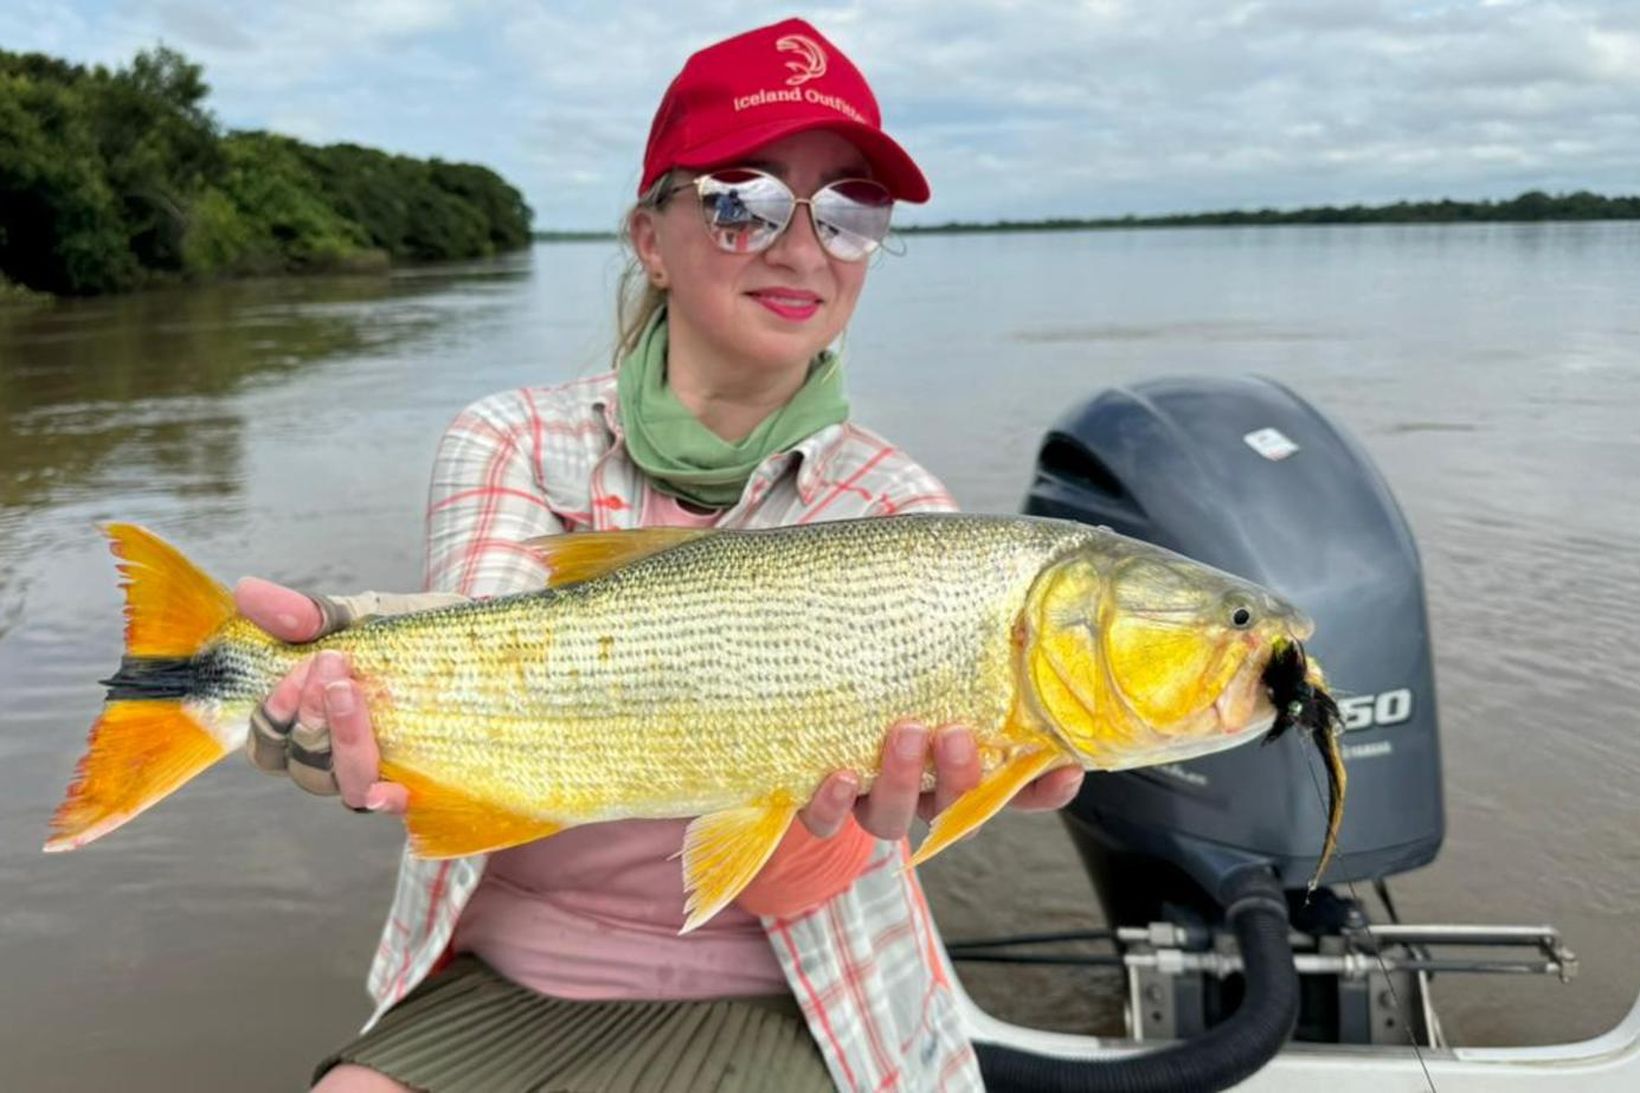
(657, 278)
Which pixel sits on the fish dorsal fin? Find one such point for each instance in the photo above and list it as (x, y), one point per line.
(587, 554)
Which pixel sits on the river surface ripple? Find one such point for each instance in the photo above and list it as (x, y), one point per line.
(285, 428)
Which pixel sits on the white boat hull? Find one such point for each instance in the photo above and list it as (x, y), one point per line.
(1609, 1063)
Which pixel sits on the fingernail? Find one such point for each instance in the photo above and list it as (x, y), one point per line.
(375, 798)
(911, 743)
(956, 746)
(844, 790)
(339, 697)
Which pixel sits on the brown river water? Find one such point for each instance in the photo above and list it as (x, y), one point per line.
(285, 428)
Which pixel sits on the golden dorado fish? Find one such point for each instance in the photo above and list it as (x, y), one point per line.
(721, 675)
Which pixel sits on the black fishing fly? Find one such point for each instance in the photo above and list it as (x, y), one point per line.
(1301, 703)
(1298, 702)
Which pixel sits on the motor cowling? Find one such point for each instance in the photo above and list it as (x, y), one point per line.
(1244, 475)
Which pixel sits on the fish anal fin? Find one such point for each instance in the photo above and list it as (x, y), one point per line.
(584, 555)
(138, 754)
(724, 850)
(989, 797)
(447, 823)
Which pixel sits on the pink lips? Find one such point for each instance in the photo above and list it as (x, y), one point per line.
(794, 304)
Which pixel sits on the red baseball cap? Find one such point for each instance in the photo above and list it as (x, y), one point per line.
(744, 92)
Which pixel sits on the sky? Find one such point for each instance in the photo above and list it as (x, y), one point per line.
(1015, 109)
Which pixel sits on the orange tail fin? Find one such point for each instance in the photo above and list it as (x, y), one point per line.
(171, 606)
(141, 750)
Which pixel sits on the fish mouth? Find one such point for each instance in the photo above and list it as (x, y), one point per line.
(1293, 682)
(1244, 705)
(1302, 627)
(1184, 750)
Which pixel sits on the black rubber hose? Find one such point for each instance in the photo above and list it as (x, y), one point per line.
(1225, 1054)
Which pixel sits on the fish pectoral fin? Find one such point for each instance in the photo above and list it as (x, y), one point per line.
(586, 554)
(450, 823)
(988, 798)
(723, 851)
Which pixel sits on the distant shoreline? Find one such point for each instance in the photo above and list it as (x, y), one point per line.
(1529, 207)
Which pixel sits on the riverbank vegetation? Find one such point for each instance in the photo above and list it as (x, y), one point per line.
(1529, 206)
(116, 179)
(14, 295)
(1533, 205)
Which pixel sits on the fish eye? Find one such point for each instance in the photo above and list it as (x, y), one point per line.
(1241, 616)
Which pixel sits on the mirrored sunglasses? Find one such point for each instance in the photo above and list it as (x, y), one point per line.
(746, 210)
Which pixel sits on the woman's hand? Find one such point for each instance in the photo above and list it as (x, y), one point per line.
(896, 796)
(317, 712)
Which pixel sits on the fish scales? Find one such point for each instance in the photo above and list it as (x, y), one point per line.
(721, 667)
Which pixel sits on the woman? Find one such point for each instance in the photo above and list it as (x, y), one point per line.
(767, 184)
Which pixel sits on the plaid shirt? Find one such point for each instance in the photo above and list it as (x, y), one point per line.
(867, 966)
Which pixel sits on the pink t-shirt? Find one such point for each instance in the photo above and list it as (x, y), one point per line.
(594, 912)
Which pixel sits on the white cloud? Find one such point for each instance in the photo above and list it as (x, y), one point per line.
(1014, 107)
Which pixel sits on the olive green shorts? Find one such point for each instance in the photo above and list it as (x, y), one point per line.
(468, 1030)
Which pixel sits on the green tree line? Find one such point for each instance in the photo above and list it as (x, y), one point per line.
(114, 179)
(1532, 205)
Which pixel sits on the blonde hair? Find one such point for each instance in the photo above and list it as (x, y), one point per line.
(637, 298)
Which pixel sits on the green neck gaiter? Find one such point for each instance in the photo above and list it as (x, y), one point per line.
(688, 460)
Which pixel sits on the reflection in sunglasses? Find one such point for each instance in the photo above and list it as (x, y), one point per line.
(746, 210)
(728, 208)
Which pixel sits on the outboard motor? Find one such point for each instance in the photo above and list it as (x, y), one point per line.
(1203, 867)
(1242, 474)
(1214, 855)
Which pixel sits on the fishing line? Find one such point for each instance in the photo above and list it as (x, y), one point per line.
(1377, 950)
